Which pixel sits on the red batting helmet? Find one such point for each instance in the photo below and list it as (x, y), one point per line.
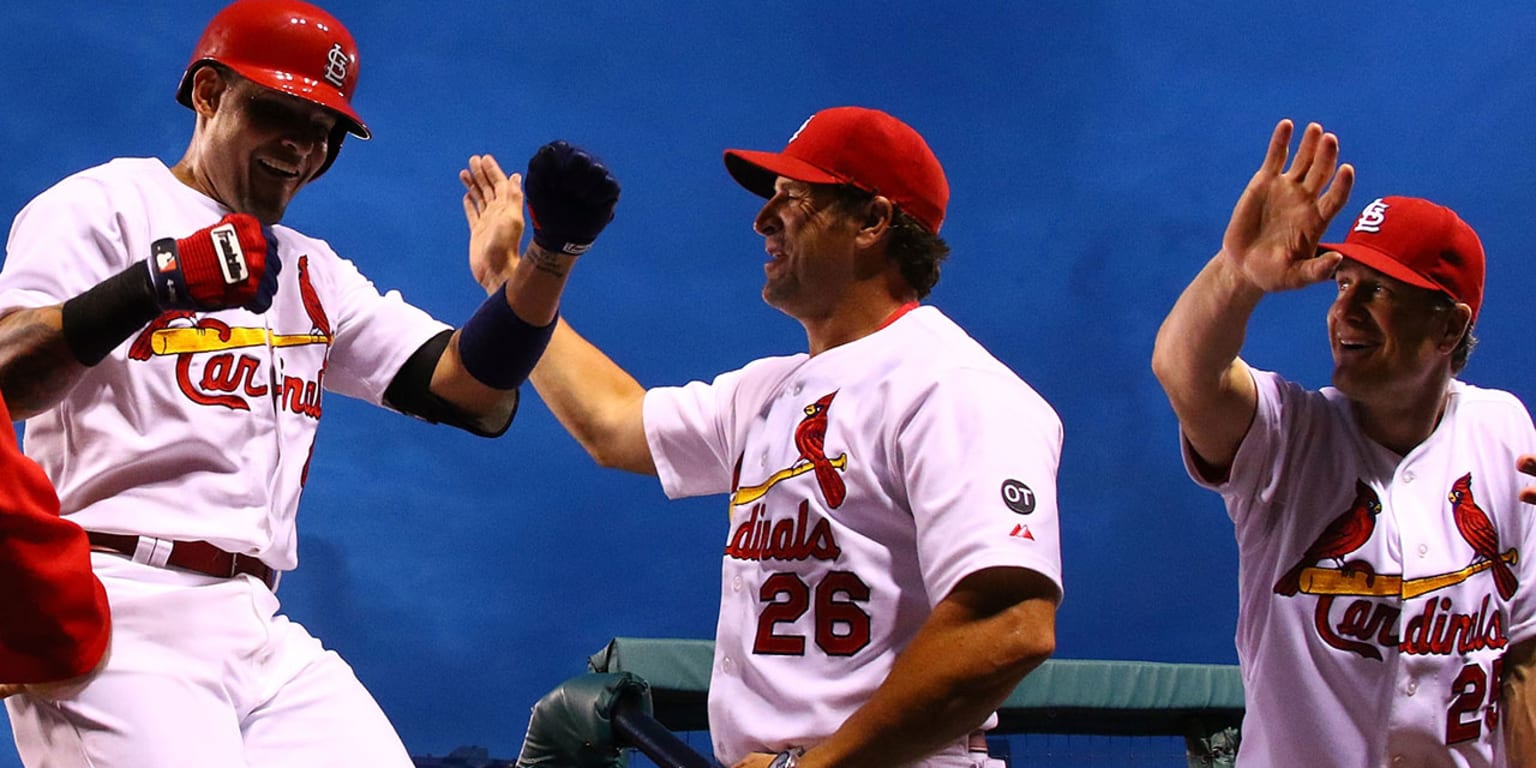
(288, 46)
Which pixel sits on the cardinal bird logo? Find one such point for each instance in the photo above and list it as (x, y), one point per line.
(1478, 530)
(811, 440)
(322, 324)
(1347, 533)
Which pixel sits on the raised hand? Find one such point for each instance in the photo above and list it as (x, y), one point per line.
(493, 206)
(571, 196)
(1275, 228)
(233, 263)
(1526, 463)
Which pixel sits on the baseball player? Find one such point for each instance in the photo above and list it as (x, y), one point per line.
(168, 341)
(1385, 573)
(892, 566)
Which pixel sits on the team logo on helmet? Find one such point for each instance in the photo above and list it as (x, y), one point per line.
(336, 65)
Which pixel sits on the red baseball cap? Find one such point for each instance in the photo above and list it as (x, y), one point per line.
(1419, 243)
(863, 147)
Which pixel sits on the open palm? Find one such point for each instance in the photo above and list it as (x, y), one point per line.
(493, 206)
(1282, 214)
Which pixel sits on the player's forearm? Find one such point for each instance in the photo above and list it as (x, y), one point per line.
(598, 402)
(505, 344)
(965, 661)
(1519, 704)
(36, 366)
(1200, 339)
(537, 281)
(1196, 360)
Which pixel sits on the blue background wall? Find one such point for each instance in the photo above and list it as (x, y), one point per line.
(1094, 149)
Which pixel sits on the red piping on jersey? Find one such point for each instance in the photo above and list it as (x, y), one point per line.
(901, 310)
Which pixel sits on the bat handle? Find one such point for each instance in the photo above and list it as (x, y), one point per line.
(653, 739)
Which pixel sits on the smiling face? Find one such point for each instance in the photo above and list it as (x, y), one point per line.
(1391, 341)
(258, 146)
(810, 243)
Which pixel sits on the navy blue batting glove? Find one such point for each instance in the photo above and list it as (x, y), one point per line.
(571, 196)
(267, 288)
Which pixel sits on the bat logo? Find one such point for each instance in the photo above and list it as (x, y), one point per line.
(1347, 533)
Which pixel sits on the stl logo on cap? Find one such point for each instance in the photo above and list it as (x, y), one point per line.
(797, 132)
(1372, 217)
(336, 66)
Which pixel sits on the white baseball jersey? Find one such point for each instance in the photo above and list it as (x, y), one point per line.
(865, 483)
(201, 426)
(1378, 592)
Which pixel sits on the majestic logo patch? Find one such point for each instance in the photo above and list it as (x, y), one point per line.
(336, 65)
(1372, 217)
(1018, 497)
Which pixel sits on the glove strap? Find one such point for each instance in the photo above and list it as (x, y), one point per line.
(555, 244)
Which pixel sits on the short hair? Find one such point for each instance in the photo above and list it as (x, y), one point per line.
(1462, 351)
(916, 251)
(1468, 341)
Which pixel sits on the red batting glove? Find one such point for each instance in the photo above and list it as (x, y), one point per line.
(233, 263)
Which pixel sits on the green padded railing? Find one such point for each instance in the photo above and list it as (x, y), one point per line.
(1201, 702)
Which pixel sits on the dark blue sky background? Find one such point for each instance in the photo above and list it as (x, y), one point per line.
(1094, 150)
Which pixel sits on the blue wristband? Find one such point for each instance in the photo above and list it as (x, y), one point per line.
(497, 347)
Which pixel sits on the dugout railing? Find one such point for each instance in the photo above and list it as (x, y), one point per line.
(1200, 703)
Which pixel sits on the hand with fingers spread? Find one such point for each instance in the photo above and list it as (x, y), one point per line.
(1275, 228)
(493, 206)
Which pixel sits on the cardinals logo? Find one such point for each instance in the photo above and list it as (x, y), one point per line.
(1371, 605)
(810, 441)
(311, 299)
(1478, 530)
(219, 365)
(1347, 533)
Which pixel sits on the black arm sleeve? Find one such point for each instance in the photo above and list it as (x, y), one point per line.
(411, 392)
(97, 321)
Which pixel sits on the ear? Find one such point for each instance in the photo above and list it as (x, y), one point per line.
(1457, 324)
(208, 89)
(876, 221)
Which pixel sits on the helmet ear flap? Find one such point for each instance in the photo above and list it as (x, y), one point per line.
(332, 147)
